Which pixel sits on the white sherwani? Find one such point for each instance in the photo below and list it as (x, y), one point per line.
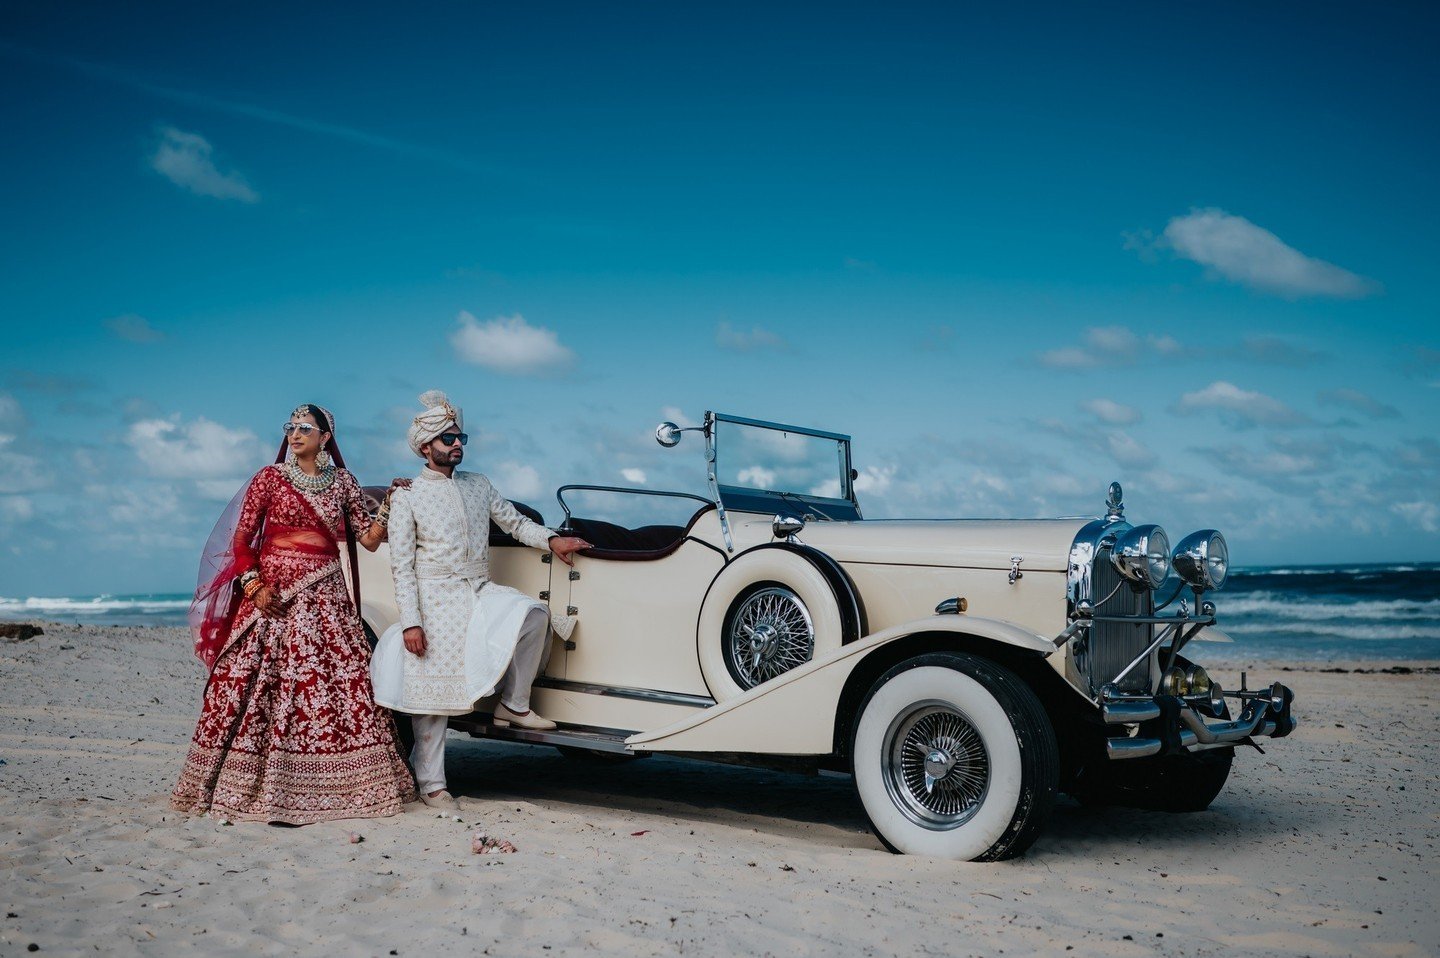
(440, 557)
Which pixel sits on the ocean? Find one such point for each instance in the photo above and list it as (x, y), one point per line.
(1310, 613)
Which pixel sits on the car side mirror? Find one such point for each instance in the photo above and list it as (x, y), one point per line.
(667, 434)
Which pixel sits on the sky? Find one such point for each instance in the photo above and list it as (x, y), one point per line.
(1016, 251)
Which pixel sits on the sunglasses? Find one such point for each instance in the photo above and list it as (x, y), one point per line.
(303, 428)
(451, 438)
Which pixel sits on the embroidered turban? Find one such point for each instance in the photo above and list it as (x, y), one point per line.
(438, 416)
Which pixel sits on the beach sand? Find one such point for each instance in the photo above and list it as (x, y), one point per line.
(1324, 845)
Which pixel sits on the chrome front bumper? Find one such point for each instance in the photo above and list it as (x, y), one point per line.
(1168, 724)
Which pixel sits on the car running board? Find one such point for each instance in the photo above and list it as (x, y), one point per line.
(573, 736)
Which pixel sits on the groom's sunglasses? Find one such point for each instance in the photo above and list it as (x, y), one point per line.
(451, 438)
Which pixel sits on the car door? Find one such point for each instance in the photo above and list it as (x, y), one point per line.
(635, 620)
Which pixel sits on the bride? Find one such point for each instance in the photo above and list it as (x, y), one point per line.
(289, 731)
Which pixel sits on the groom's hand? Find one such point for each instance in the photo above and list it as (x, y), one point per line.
(415, 640)
(564, 546)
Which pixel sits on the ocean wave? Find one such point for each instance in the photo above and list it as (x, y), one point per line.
(96, 605)
(1358, 633)
(1292, 606)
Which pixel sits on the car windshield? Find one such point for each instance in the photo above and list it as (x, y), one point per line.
(762, 466)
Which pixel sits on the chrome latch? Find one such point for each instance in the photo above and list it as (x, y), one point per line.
(1015, 573)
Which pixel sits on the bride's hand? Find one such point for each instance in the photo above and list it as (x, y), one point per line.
(398, 483)
(270, 603)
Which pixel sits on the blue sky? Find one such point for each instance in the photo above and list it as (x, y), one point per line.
(1015, 253)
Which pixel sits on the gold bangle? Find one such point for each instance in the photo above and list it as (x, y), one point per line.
(252, 587)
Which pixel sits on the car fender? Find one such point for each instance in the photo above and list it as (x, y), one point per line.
(794, 714)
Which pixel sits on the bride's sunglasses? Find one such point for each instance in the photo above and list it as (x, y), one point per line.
(451, 438)
(303, 428)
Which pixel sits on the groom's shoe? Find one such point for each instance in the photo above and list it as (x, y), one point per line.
(443, 801)
(527, 719)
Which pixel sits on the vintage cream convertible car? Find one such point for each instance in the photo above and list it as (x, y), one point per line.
(962, 671)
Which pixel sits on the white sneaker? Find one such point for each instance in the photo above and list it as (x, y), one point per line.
(530, 719)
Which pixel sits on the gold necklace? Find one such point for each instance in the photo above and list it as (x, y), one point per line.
(305, 482)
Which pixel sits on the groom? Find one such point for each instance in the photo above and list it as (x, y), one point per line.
(465, 636)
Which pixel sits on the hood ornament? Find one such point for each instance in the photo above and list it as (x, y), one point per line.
(1114, 503)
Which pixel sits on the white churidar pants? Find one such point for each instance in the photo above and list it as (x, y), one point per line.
(427, 758)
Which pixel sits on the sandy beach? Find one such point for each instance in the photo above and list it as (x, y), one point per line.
(1324, 845)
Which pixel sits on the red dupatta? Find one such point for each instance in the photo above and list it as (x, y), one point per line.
(227, 556)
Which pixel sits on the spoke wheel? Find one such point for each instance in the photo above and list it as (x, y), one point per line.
(768, 633)
(938, 770)
(954, 757)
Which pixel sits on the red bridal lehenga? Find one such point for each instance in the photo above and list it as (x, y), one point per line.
(289, 731)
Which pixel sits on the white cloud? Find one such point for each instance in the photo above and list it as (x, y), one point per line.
(508, 344)
(1355, 399)
(12, 416)
(1270, 464)
(1238, 250)
(133, 328)
(185, 159)
(1239, 405)
(1110, 346)
(15, 508)
(1109, 411)
(756, 477)
(19, 471)
(1070, 357)
(202, 449)
(740, 341)
(875, 480)
(677, 415)
(637, 476)
(516, 480)
(1129, 451)
(1422, 513)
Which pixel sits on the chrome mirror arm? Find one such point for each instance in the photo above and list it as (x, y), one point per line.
(710, 474)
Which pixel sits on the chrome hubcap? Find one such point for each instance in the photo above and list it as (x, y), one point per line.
(770, 634)
(936, 767)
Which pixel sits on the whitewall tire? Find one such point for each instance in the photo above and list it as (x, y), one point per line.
(954, 757)
(767, 612)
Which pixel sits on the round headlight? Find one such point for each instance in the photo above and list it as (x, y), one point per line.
(1203, 560)
(1142, 555)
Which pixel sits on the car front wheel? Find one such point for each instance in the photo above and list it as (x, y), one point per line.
(954, 757)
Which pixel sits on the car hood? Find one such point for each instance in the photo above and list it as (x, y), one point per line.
(1042, 544)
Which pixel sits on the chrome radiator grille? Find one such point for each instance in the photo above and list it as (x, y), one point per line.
(1113, 645)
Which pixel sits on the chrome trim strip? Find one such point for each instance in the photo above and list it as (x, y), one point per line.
(623, 692)
(1121, 713)
(594, 740)
(780, 427)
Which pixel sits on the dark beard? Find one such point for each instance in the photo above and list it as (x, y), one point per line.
(440, 458)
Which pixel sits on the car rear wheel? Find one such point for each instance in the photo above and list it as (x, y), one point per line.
(954, 757)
